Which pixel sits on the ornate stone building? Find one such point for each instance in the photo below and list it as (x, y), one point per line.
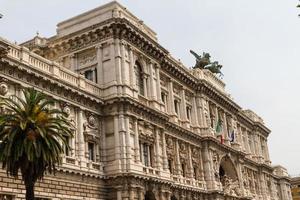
(145, 124)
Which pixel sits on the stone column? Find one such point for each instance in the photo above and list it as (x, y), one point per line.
(136, 141)
(124, 76)
(127, 142)
(141, 194)
(81, 142)
(119, 194)
(201, 110)
(73, 62)
(153, 85)
(122, 140)
(208, 170)
(225, 129)
(190, 162)
(164, 149)
(267, 151)
(158, 84)
(157, 149)
(99, 67)
(131, 69)
(117, 139)
(238, 136)
(172, 109)
(263, 185)
(183, 106)
(145, 85)
(247, 147)
(131, 193)
(258, 147)
(201, 164)
(194, 113)
(178, 163)
(103, 156)
(116, 55)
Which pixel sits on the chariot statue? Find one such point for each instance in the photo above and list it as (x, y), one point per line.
(203, 62)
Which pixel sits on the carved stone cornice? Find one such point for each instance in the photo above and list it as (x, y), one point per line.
(17, 73)
(121, 28)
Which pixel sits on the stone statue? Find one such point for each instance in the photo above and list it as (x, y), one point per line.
(230, 186)
(201, 61)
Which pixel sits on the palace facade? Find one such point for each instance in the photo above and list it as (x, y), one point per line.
(145, 123)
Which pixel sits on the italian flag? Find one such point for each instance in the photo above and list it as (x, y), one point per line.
(219, 130)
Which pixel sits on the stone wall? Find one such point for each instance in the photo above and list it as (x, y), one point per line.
(62, 185)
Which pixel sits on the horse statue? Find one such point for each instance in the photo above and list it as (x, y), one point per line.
(201, 61)
(215, 68)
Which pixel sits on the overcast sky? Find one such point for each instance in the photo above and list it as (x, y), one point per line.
(256, 41)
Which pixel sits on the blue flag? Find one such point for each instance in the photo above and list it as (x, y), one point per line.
(232, 136)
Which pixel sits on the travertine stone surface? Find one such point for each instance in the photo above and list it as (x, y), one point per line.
(145, 123)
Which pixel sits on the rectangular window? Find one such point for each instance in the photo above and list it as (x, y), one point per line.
(91, 151)
(176, 106)
(170, 163)
(163, 96)
(89, 75)
(195, 173)
(146, 154)
(188, 112)
(183, 169)
(67, 150)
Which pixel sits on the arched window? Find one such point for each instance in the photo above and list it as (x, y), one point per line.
(139, 78)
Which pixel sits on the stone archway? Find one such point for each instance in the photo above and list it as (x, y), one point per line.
(149, 196)
(229, 177)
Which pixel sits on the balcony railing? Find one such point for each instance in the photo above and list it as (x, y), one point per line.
(23, 55)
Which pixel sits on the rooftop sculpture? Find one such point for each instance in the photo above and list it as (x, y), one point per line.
(203, 62)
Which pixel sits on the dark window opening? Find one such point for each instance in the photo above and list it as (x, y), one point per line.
(139, 79)
(176, 106)
(89, 75)
(91, 152)
(183, 169)
(170, 163)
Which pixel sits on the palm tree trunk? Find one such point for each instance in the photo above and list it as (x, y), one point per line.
(29, 190)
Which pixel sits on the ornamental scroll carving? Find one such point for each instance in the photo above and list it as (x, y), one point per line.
(216, 164)
(230, 186)
(170, 147)
(67, 109)
(195, 155)
(183, 152)
(3, 88)
(246, 181)
(91, 127)
(146, 131)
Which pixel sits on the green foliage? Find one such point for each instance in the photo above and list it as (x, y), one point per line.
(32, 135)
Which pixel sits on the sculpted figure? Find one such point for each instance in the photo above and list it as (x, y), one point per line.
(201, 61)
(215, 68)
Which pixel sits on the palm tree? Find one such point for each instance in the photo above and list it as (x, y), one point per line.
(32, 137)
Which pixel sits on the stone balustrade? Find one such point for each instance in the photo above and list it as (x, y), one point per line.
(50, 68)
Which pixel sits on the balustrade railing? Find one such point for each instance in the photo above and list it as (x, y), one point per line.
(23, 55)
